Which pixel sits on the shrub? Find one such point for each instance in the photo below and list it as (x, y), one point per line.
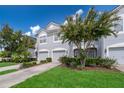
(28, 64)
(49, 59)
(75, 61)
(65, 60)
(25, 55)
(16, 57)
(43, 61)
(22, 57)
(93, 61)
(103, 62)
(69, 61)
(107, 62)
(4, 54)
(32, 59)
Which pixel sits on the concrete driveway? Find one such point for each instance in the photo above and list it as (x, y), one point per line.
(120, 67)
(11, 79)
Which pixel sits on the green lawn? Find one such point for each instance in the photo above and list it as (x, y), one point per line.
(61, 77)
(3, 64)
(7, 71)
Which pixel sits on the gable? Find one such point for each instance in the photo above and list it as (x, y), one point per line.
(42, 33)
(52, 26)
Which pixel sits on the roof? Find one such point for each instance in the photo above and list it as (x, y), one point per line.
(117, 8)
(50, 27)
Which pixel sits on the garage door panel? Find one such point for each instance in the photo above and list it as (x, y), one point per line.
(117, 53)
(43, 55)
(57, 55)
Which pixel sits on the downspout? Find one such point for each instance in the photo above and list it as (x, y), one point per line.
(37, 46)
(70, 54)
(102, 47)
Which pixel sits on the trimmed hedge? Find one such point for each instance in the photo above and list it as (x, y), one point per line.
(28, 64)
(75, 61)
(47, 60)
(68, 61)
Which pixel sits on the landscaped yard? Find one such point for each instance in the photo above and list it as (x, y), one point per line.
(7, 71)
(62, 77)
(3, 64)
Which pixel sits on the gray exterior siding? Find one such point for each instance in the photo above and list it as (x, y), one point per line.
(101, 45)
(50, 44)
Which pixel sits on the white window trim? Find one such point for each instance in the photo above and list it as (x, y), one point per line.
(122, 17)
(58, 41)
(40, 38)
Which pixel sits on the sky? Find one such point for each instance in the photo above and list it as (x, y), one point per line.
(30, 18)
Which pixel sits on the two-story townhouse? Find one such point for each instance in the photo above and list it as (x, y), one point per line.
(114, 46)
(50, 45)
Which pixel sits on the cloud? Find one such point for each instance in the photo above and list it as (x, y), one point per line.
(35, 29)
(28, 33)
(79, 12)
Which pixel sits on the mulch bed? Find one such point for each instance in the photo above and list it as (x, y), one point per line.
(93, 68)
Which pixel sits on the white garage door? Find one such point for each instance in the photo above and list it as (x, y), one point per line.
(117, 53)
(58, 54)
(43, 55)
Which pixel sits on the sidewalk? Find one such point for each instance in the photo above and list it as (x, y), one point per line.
(10, 67)
(11, 79)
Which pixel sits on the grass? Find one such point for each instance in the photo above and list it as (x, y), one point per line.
(4, 64)
(7, 71)
(62, 77)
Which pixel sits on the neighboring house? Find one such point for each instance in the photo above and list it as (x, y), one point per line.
(32, 53)
(50, 45)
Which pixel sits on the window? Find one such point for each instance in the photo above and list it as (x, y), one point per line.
(119, 26)
(91, 52)
(43, 39)
(57, 38)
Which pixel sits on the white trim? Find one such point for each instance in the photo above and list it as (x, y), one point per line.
(59, 49)
(42, 50)
(76, 47)
(44, 34)
(59, 41)
(55, 26)
(122, 17)
(96, 46)
(120, 32)
(113, 46)
(45, 50)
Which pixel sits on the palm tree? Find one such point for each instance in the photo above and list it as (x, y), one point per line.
(88, 29)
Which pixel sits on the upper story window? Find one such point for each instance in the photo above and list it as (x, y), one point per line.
(56, 38)
(119, 26)
(43, 39)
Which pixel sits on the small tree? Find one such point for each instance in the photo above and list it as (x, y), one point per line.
(15, 42)
(88, 29)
